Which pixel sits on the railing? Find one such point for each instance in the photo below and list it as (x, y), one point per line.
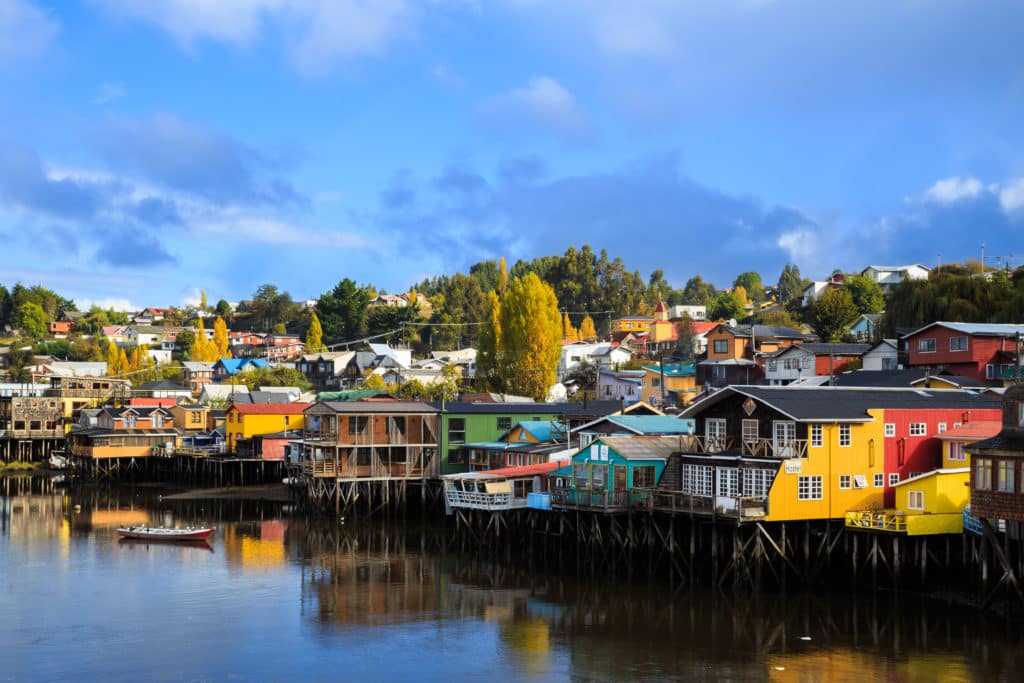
(590, 499)
(770, 448)
(342, 469)
(877, 520)
(476, 500)
(680, 502)
(691, 443)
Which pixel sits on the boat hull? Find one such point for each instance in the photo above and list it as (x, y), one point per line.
(150, 534)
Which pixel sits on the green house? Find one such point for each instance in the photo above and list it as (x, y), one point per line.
(468, 423)
(615, 472)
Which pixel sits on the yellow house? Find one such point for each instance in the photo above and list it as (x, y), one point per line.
(190, 417)
(934, 502)
(80, 393)
(632, 323)
(954, 441)
(680, 384)
(245, 420)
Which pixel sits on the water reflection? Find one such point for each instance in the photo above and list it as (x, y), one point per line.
(285, 598)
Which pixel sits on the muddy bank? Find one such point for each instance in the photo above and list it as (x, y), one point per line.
(270, 492)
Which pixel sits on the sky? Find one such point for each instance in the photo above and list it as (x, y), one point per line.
(151, 149)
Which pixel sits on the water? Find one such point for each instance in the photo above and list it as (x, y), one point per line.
(276, 598)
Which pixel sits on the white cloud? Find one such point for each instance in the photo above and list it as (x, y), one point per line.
(1011, 196)
(953, 190)
(116, 303)
(542, 102)
(231, 21)
(25, 30)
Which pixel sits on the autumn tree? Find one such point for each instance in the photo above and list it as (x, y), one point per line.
(203, 349)
(750, 281)
(488, 367)
(221, 343)
(530, 344)
(587, 330)
(113, 360)
(372, 380)
(203, 306)
(832, 313)
(315, 335)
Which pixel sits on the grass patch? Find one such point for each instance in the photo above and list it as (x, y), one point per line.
(17, 465)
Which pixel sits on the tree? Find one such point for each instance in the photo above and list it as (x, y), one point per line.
(658, 288)
(696, 292)
(186, 341)
(315, 335)
(686, 335)
(342, 312)
(223, 309)
(32, 320)
(791, 285)
(372, 380)
(728, 306)
(113, 361)
(832, 313)
(221, 342)
(502, 283)
(202, 300)
(867, 294)
(488, 367)
(279, 328)
(530, 345)
(587, 330)
(778, 317)
(750, 281)
(203, 349)
(278, 377)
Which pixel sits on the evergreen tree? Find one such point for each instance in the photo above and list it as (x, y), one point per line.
(791, 285)
(343, 312)
(686, 337)
(314, 335)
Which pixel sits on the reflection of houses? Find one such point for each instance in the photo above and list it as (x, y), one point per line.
(371, 440)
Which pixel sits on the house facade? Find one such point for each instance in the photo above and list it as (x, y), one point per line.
(621, 385)
(672, 384)
(804, 361)
(733, 352)
(884, 355)
(977, 350)
(888, 277)
(614, 473)
(997, 466)
(245, 420)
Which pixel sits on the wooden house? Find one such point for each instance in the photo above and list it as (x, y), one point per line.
(997, 491)
(245, 420)
(190, 417)
(927, 504)
(672, 384)
(135, 417)
(733, 352)
(615, 473)
(505, 488)
(631, 425)
(529, 442)
(982, 351)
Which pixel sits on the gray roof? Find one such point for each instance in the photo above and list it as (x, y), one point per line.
(824, 349)
(595, 408)
(770, 331)
(196, 366)
(643, 448)
(846, 404)
(900, 378)
(382, 407)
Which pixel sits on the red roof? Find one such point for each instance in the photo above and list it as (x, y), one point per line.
(703, 328)
(270, 408)
(526, 470)
(973, 431)
(145, 402)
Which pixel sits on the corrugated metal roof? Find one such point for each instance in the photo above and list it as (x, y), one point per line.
(982, 329)
(642, 447)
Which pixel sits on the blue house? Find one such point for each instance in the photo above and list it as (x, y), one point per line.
(614, 473)
(229, 367)
(530, 442)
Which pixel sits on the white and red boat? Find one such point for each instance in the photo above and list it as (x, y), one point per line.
(161, 534)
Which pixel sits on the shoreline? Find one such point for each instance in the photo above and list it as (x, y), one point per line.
(275, 493)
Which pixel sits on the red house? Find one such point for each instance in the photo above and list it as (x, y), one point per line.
(981, 351)
(912, 445)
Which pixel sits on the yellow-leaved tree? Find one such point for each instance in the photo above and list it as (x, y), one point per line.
(202, 350)
(315, 336)
(587, 330)
(489, 370)
(113, 360)
(530, 341)
(221, 343)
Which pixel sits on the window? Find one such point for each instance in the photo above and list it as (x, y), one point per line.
(757, 482)
(1004, 481)
(958, 343)
(809, 488)
(915, 500)
(721, 346)
(942, 427)
(860, 481)
(396, 425)
(714, 433)
(990, 371)
(581, 476)
(655, 382)
(926, 345)
(918, 429)
(287, 420)
(698, 480)
(728, 482)
(504, 423)
(598, 473)
(816, 436)
(894, 478)
(585, 439)
(844, 481)
(357, 425)
(1020, 413)
(845, 436)
(879, 480)
(890, 429)
(956, 451)
(457, 430)
(643, 477)
(718, 372)
(773, 366)
(750, 432)
(888, 363)
(983, 474)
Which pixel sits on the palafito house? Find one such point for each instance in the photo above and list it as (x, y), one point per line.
(997, 467)
(614, 473)
(245, 420)
(812, 453)
(669, 384)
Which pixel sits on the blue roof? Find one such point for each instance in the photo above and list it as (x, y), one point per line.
(653, 424)
(235, 365)
(675, 370)
(542, 430)
(562, 471)
(488, 445)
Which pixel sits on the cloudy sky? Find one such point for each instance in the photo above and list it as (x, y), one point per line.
(148, 149)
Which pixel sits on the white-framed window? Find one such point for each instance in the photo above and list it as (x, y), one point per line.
(926, 345)
(844, 481)
(918, 429)
(860, 481)
(990, 371)
(879, 480)
(750, 432)
(956, 451)
(958, 343)
(698, 480)
(894, 478)
(942, 427)
(1004, 476)
(757, 482)
(728, 482)
(983, 474)
(845, 435)
(714, 434)
(809, 488)
(915, 500)
(816, 436)
(890, 429)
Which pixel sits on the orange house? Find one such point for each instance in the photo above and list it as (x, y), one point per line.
(733, 351)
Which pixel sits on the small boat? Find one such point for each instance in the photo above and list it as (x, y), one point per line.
(57, 462)
(161, 534)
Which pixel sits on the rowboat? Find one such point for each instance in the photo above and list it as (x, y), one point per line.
(161, 534)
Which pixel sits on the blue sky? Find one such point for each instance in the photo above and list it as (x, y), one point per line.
(148, 149)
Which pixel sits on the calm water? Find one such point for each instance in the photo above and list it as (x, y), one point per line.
(275, 598)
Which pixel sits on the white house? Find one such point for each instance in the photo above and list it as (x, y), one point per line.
(697, 313)
(601, 354)
(881, 356)
(890, 276)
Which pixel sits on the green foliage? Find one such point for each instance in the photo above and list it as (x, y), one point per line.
(791, 285)
(832, 313)
(530, 344)
(315, 336)
(867, 294)
(85, 349)
(19, 361)
(60, 348)
(223, 309)
(342, 312)
(729, 305)
(276, 377)
(686, 337)
(698, 293)
(751, 282)
(779, 317)
(186, 341)
(32, 320)
(950, 295)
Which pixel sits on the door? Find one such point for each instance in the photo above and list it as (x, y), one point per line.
(783, 436)
(620, 477)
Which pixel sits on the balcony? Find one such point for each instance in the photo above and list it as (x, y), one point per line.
(742, 508)
(495, 499)
(770, 448)
(892, 521)
(591, 499)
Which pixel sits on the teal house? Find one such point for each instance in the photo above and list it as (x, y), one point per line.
(614, 473)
